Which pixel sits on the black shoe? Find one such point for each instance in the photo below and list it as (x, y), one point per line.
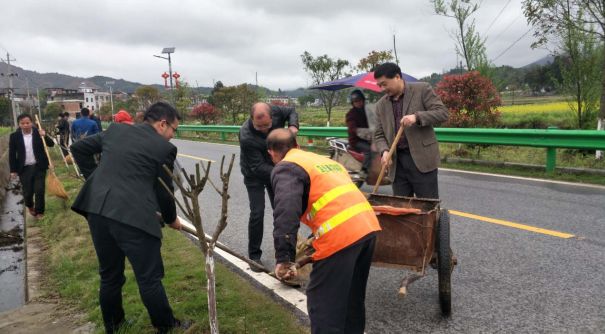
(178, 324)
(257, 269)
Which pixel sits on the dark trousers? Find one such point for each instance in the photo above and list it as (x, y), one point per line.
(364, 147)
(256, 197)
(114, 242)
(63, 142)
(33, 182)
(409, 180)
(337, 289)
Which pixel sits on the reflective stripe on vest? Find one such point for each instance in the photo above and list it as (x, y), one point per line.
(330, 196)
(341, 217)
(337, 211)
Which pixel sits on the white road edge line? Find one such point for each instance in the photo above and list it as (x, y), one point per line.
(288, 294)
(525, 178)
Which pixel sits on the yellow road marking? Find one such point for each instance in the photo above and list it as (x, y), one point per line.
(513, 225)
(194, 157)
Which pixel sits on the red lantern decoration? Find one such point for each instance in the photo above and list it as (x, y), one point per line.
(176, 77)
(165, 76)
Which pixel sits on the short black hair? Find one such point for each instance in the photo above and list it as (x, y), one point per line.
(66, 114)
(389, 70)
(357, 95)
(22, 116)
(85, 112)
(281, 141)
(161, 111)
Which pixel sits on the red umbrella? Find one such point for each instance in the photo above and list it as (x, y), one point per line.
(364, 80)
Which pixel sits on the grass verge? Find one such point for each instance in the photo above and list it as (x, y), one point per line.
(72, 275)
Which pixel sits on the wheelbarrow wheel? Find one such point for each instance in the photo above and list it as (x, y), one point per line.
(444, 262)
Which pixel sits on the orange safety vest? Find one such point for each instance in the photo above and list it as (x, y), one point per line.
(337, 212)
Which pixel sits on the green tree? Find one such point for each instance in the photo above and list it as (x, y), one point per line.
(373, 59)
(235, 101)
(52, 111)
(303, 100)
(322, 69)
(6, 118)
(105, 112)
(146, 96)
(183, 99)
(217, 86)
(43, 97)
(551, 18)
(581, 54)
(469, 44)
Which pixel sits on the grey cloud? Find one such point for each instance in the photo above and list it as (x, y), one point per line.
(232, 40)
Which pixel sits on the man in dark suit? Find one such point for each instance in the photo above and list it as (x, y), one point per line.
(120, 199)
(28, 160)
(417, 108)
(256, 165)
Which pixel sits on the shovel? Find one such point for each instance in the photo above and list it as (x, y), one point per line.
(389, 155)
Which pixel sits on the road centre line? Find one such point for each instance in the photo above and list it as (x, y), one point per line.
(512, 224)
(194, 157)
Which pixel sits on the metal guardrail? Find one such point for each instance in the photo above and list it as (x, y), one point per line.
(551, 139)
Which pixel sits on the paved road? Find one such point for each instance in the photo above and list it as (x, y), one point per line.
(508, 279)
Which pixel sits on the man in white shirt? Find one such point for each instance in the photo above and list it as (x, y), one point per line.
(28, 160)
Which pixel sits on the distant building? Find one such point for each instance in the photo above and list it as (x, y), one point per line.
(279, 100)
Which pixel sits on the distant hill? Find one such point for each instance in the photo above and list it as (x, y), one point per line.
(547, 60)
(58, 80)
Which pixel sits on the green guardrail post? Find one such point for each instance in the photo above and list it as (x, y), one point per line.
(551, 155)
(223, 136)
(551, 159)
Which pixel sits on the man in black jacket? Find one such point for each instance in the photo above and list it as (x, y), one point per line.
(28, 160)
(120, 199)
(256, 165)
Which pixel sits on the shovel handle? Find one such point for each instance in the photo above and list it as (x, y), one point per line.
(50, 162)
(389, 155)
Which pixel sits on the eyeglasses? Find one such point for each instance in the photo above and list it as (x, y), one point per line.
(170, 125)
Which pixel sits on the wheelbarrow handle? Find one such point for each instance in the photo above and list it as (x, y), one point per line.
(389, 155)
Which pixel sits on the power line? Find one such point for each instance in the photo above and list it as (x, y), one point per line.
(513, 44)
(507, 27)
(497, 16)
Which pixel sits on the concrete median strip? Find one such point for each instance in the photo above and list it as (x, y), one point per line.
(286, 294)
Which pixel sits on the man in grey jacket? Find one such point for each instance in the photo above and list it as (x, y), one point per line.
(417, 108)
(120, 199)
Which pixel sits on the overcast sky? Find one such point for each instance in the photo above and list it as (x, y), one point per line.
(231, 40)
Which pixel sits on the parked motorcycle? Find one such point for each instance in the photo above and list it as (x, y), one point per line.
(353, 161)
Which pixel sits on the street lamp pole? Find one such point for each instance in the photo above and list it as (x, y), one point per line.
(110, 83)
(169, 51)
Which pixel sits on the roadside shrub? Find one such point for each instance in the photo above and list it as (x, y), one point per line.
(472, 100)
(206, 113)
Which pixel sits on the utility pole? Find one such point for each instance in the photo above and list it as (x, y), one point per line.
(395, 50)
(10, 87)
(110, 83)
(39, 108)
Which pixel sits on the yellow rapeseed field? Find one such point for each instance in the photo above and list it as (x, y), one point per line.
(556, 107)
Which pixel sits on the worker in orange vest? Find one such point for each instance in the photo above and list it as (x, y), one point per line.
(319, 192)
